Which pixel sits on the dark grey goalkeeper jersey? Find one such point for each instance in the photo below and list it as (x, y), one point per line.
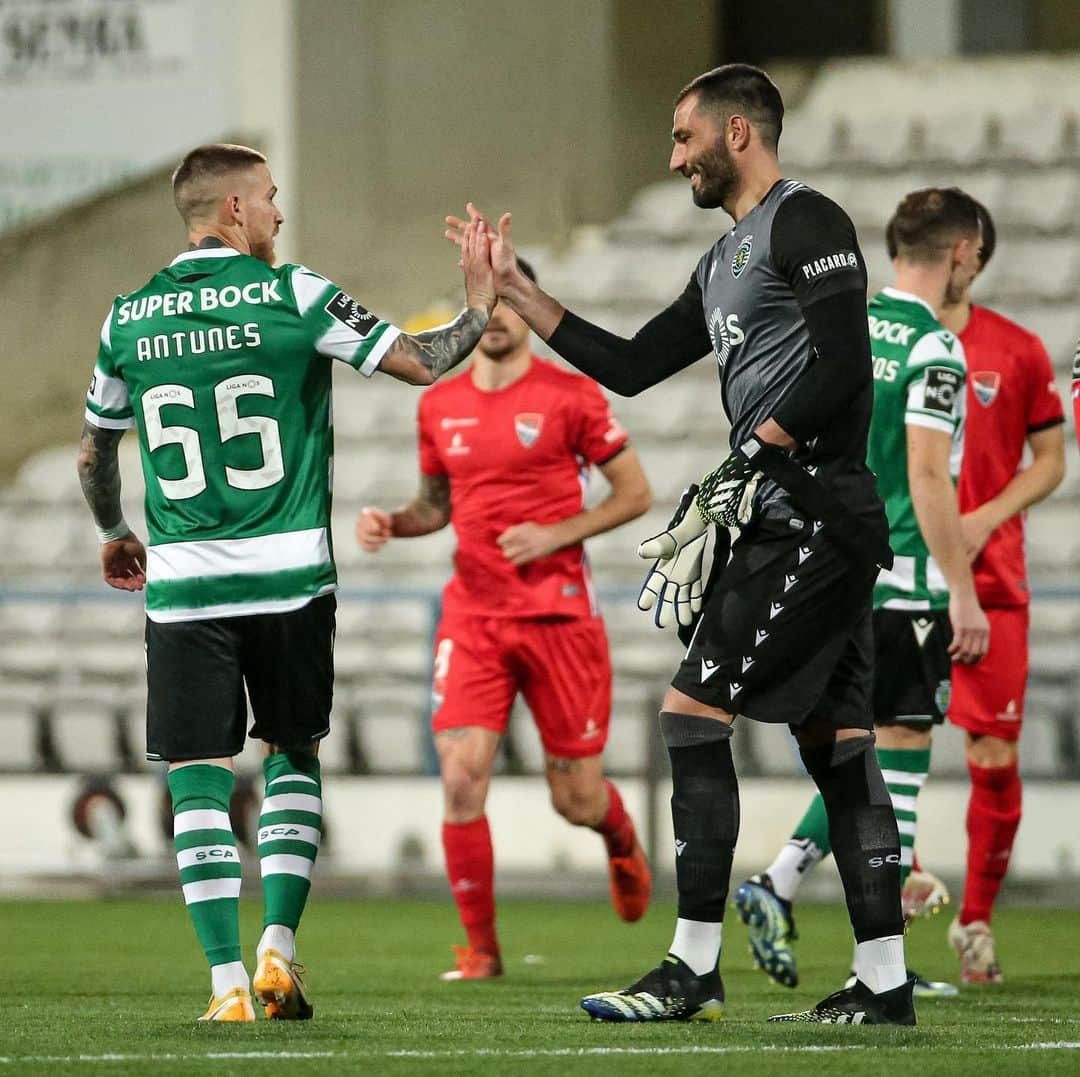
(781, 302)
(793, 249)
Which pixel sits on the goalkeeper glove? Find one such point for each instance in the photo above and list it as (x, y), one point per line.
(726, 497)
(673, 584)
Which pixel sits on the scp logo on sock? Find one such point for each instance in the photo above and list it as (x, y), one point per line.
(881, 861)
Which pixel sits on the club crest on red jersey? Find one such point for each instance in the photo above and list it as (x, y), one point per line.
(985, 384)
(527, 426)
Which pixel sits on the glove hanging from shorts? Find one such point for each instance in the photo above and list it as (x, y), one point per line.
(726, 496)
(673, 584)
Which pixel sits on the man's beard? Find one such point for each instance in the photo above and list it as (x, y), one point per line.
(717, 178)
(497, 351)
(954, 291)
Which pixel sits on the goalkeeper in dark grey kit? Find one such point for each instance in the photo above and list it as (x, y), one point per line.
(782, 634)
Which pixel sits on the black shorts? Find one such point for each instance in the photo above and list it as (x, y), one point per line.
(912, 668)
(196, 672)
(785, 635)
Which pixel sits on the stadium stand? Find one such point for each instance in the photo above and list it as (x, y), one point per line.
(867, 132)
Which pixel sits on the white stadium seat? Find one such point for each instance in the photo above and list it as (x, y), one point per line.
(85, 735)
(19, 735)
(390, 726)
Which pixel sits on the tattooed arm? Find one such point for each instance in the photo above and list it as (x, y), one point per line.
(427, 512)
(123, 558)
(422, 357)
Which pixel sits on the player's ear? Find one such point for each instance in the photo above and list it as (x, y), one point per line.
(738, 132)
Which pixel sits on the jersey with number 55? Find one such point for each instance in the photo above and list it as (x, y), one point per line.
(919, 373)
(223, 364)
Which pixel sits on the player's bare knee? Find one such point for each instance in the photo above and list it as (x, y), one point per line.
(676, 702)
(991, 752)
(908, 737)
(577, 789)
(579, 807)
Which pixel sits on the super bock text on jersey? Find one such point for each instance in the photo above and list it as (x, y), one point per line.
(222, 364)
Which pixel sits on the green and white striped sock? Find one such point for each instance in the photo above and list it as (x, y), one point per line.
(207, 858)
(290, 826)
(905, 770)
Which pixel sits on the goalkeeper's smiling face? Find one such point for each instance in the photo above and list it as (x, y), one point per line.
(701, 154)
(506, 335)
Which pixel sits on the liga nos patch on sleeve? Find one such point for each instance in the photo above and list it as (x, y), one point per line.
(353, 316)
(942, 389)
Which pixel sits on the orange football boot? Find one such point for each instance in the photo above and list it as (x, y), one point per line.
(473, 965)
(631, 884)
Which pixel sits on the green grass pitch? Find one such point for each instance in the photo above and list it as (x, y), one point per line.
(114, 987)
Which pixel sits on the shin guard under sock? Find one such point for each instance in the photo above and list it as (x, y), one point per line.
(470, 868)
(863, 833)
(704, 811)
(992, 821)
(290, 828)
(207, 857)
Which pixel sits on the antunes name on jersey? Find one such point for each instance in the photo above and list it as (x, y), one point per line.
(198, 342)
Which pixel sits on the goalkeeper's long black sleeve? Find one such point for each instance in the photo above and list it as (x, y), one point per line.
(840, 372)
(666, 344)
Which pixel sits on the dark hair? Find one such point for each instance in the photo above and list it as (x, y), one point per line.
(988, 240)
(929, 221)
(190, 181)
(744, 89)
(527, 269)
(988, 232)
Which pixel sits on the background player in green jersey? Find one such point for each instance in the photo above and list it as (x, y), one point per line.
(926, 613)
(222, 362)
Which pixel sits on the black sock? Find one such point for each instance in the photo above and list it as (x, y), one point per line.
(862, 829)
(704, 810)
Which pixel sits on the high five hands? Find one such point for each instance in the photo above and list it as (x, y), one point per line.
(539, 310)
(473, 239)
(509, 280)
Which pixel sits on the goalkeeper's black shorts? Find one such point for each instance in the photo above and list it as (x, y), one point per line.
(785, 635)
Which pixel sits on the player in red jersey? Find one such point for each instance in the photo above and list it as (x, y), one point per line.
(1076, 389)
(504, 453)
(1012, 403)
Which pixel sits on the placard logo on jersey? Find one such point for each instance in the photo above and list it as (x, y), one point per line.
(942, 389)
(985, 384)
(742, 257)
(830, 263)
(527, 426)
(351, 315)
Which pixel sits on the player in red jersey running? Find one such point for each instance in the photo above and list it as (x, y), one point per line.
(504, 453)
(1012, 402)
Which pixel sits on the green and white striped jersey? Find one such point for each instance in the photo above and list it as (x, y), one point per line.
(223, 364)
(919, 373)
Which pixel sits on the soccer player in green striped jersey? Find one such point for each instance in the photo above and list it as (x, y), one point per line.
(222, 362)
(926, 613)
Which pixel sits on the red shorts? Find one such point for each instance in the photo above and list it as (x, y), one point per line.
(988, 697)
(560, 665)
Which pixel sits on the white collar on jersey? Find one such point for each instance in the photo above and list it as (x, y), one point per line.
(908, 297)
(205, 252)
